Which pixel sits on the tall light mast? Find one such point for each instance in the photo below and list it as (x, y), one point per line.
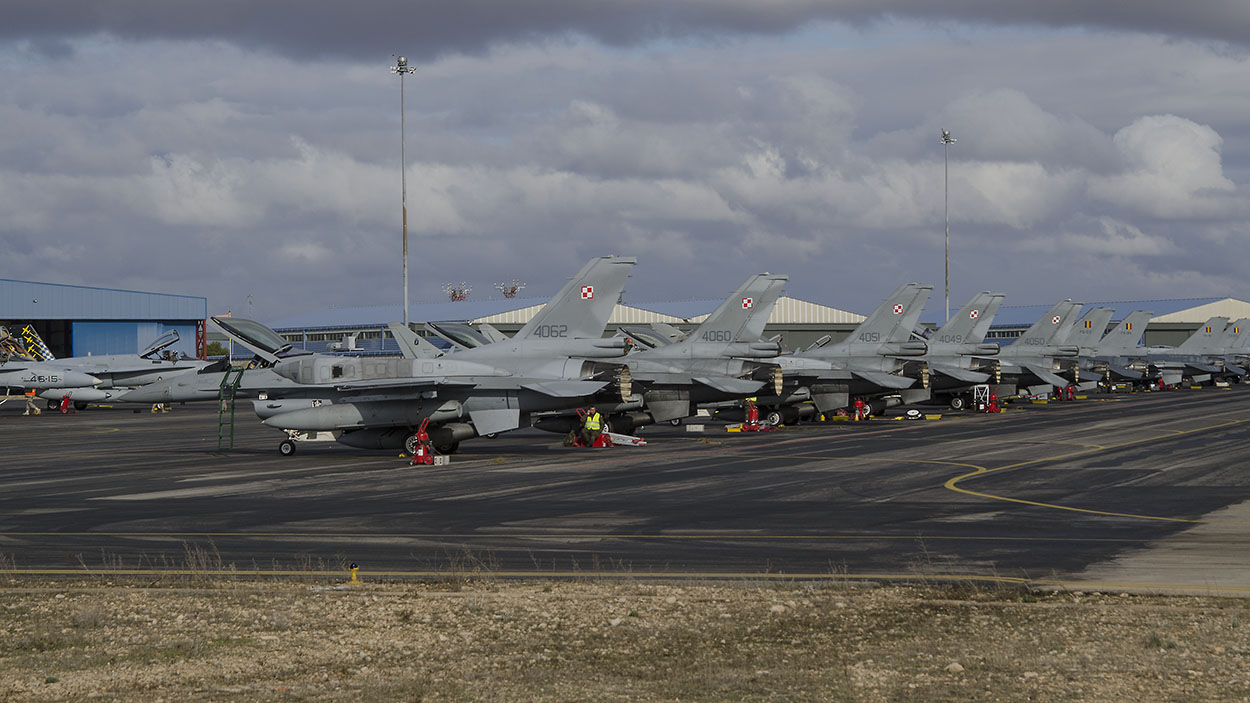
(402, 68)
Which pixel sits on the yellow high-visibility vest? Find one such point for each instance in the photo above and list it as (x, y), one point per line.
(593, 421)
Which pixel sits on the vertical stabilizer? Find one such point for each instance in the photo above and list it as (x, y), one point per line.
(1124, 338)
(741, 318)
(1049, 327)
(1090, 328)
(1204, 339)
(411, 344)
(960, 328)
(33, 345)
(582, 307)
(894, 319)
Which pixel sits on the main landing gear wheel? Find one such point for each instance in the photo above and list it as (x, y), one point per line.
(447, 448)
(287, 448)
(958, 402)
(773, 418)
(675, 422)
(54, 405)
(80, 405)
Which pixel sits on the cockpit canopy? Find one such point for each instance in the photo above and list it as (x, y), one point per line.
(165, 340)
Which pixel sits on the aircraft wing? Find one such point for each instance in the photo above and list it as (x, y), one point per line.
(1124, 372)
(1046, 375)
(966, 375)
(565, 389)
(733, 386)
(377, 384)
(885, 380)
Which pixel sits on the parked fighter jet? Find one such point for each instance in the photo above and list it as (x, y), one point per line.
(1033, 361)
(868, 364)
(1113, 358)
(378, 403)
(117, 374)
(1196, 359)
(956, 359)
(722, 359)
(21, 372)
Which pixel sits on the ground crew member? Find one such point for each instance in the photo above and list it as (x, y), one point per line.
(752, 412)
(30, 403)
(592, 425)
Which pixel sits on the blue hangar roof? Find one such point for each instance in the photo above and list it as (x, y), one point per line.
(1025, 315)
(29, 300)
(380, 315)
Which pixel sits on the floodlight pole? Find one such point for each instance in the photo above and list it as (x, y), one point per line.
(402, 68)
(947, 140)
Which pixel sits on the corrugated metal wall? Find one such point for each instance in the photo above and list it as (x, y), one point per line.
(28, 300)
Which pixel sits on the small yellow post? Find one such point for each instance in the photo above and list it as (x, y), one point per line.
(354, 581)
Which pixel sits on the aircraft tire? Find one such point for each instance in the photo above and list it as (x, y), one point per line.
(447, 448)
(286, 448)
(80, 405)
(675, 422)
(773, 418)
(958, 402)
(54, 405)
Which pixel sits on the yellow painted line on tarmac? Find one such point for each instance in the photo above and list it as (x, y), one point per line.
(952, 484)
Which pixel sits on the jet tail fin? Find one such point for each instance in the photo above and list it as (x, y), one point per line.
(1050, 327)
(1124, 338)
(741, 318)
(1204, 339)
(411, 344)
(582, 307)
(960, 328)
(33, 345)
(1090, 328)
(894, 319)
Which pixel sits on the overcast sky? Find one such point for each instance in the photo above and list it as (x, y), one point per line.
(233, 148)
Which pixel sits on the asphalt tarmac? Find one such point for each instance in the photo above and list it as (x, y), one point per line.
(1065, 493)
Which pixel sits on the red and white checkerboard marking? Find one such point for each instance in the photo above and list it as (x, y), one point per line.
(588, 292)
(1055, 319)
(898, 309)
(747, 303)
(974, 314)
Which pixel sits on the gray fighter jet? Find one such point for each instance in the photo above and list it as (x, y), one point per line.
(956, 359)
(21, 372)
(722, 359)
(1113, 358)
(1037, 359)
(869, 364)
(117, 374)
(379, 403)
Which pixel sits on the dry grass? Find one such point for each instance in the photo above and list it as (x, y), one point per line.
(471, 639)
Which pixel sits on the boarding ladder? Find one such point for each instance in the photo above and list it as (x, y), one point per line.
(226, 393)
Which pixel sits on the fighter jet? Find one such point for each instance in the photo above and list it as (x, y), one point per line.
(869, 364)
(722, 359)
(1113, 358)
(117, 374)
(19, 371)
(956, 359)
(1034, 362)
(379, 403)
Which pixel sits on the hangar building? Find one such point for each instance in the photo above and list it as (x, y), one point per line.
(84, 320)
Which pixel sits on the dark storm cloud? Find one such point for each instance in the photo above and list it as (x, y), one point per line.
(428, 28)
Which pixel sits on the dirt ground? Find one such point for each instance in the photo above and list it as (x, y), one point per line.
(599, 640)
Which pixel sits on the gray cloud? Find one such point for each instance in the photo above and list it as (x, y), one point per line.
(430, 28)
(204, 168)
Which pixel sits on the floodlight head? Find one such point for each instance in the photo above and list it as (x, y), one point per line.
(403, 61)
